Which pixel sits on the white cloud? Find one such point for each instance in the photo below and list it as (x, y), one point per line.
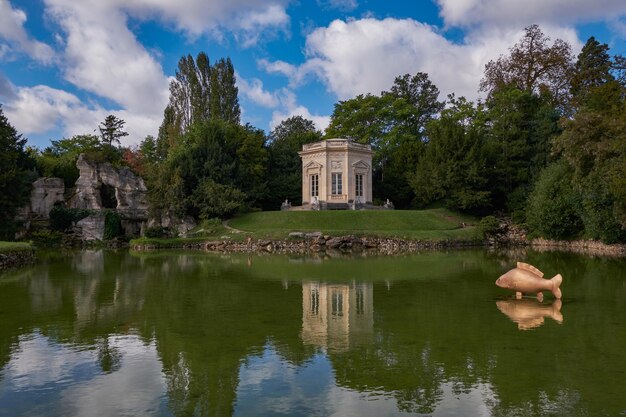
(12, 30)
(254, 91)
(251, 25)
(364, 56)
(292, 108)
(504, 13)
(247, 19)
(40, 108)
(102, 56)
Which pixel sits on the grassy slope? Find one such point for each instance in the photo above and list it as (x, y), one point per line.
(433, 224)
(14, 246)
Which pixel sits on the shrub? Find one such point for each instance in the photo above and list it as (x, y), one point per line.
(554, 206)
(61, 218)
(156, 232)
(46, 238)
(112, 225)
(489, 226)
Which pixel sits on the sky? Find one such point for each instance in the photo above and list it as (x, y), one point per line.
(67, 64)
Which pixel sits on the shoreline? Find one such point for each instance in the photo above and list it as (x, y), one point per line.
(316, 243)
(312, 243)
(15, 258)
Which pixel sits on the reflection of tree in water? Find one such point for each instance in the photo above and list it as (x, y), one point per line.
(208, 315)
(109, 357)
(208, 320)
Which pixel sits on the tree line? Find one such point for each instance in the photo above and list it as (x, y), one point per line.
(546, 146)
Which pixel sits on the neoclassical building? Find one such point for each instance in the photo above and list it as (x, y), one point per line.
(336, 173)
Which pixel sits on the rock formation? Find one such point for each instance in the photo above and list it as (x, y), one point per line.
(96, 180)
(45, 194)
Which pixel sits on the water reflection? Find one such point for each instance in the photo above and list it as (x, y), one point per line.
(44, 377)
(102, 333)
(530, 313)
(334, 315)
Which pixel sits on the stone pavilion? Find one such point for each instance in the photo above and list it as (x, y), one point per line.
(336, 174)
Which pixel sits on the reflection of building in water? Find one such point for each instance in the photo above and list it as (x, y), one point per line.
(334, 315)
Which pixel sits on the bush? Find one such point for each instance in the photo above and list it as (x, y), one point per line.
(553, 207)
(112, 225)
(598, 212)
(156, 232)
(489, 226)
(217, 200)
(46, 238)
(62, 218)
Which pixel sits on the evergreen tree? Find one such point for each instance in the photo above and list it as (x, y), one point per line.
(285, 166)
(15, 176)
(111, 130)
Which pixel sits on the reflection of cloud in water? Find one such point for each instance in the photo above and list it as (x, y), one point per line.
(52, 379)
(38, 362)
(270, 385)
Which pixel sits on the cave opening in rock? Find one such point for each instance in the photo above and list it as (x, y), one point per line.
(107, 196)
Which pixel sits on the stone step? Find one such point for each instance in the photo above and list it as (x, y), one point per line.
(337, 206)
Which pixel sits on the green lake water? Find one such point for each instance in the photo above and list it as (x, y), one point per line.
(101, 333)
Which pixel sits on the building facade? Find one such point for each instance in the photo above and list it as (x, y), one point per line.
(336, 172)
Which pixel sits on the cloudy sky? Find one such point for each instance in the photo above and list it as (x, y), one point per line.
(66, 64)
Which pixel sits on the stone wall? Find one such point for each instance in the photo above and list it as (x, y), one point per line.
(17, 258)
(316, 243)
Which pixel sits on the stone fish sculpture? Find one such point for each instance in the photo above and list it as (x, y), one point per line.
(529, 314)
(526, 279)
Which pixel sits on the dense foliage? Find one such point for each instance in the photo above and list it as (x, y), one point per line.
(15, 176)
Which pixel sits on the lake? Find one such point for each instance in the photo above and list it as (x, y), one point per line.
(111, 333)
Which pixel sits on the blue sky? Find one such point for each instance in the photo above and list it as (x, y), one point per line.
(66, 64)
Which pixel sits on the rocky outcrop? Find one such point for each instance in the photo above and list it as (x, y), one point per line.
(46, 192)
(97, 179)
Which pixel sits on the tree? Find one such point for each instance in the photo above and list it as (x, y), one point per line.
(224, 91)
(533, 66)
(212, 157)
(111, 130)
(15, 176)
(522, 128)
(593, 143)
(199, 92)
(393, 124)
(592, 70)
(285, 167)
(554, 205)
(59, 159)
(454, 167)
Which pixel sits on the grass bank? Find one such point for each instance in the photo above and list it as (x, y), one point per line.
(431, 225)
(9, 247)
(434, 224)
(15, 254)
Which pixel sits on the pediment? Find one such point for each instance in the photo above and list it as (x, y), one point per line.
(360, 165)
(313, 165)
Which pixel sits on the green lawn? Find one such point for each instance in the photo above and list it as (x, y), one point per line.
(14, 246)
(434, 224)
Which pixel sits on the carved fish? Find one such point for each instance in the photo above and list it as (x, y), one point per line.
(526, 279)
(529, 314)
